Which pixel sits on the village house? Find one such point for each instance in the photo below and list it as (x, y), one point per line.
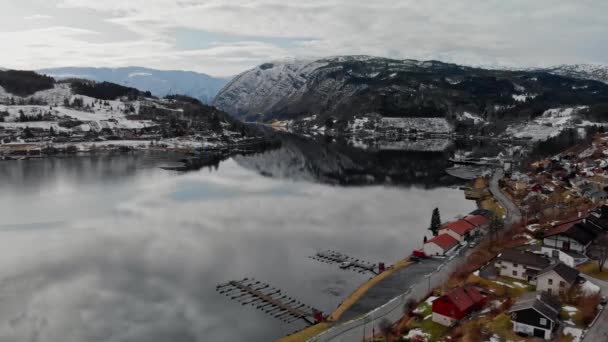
(456, 305)
(536, 314)
(556, 279)
(460, 230)
(573, 236)
(521, 265)
(441, 244)
(478, 221)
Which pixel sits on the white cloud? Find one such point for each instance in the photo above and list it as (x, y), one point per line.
(37, 17)
(490, 32)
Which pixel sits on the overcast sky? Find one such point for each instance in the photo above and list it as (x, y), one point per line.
(224, 37)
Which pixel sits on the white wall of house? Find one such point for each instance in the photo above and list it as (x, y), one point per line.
(563, 257)
(552, 283)
(512, 270)
(529, 329)
(443, 320)
(557, 241)
(430, 248)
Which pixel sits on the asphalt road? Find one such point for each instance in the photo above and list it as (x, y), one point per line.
(391, 287)
(599, 330)
(513, 212)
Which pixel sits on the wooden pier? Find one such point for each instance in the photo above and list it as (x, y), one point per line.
(348, 262)
(269, 300)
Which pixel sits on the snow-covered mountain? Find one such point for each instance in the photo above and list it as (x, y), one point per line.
(595, 72)
(344, 88)
(158, 82)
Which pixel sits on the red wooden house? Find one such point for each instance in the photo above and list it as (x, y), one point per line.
(457, 304)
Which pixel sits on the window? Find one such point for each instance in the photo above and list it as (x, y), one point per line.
(543, 321)
(562, 284)
(515, 273)
(550, 281)
(549, 291)
(514, 265)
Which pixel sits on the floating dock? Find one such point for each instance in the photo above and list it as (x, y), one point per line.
(270, 300)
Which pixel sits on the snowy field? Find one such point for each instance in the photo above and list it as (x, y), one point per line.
(95, 114)
(549, 124)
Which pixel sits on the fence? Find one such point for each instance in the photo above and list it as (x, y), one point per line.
(367, 326)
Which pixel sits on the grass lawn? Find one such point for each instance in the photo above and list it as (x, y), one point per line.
(502, 286)
(591, 269)
(434, 329)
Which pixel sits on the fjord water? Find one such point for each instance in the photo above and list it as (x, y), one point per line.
(113, 248)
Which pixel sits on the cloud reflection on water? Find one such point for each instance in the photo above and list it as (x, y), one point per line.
(148, 271)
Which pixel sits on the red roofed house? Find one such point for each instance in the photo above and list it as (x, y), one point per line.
(459, 230)
(440, 245)
(456, 305)
(480, 222)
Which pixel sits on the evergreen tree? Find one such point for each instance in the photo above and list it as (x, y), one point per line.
(435, 222)
(52, 131)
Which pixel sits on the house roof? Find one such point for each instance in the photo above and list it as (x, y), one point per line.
(583, 233)
(460, 227)
(598, 221)
(445, 241)
(567, 273)
(545, 304)
(525, 258)
(476, 220)
(483, 212)
(465, 297)
(562, 227)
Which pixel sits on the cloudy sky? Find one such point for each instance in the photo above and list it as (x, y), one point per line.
(224, 37)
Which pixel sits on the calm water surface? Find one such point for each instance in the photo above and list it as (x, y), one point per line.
(113, 248)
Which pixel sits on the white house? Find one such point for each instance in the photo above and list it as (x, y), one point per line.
(441, 244)
(521, 265)
(571, 236)
(556, 279)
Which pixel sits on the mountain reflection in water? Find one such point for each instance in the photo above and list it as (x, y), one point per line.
(114, 248)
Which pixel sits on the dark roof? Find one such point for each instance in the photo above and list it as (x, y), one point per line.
(568, 273)
(465, 297)
(525, 258)
(579, 232)
(544, 303)
(483, 212)
(445, 241)
(598, 221)
(476, 220)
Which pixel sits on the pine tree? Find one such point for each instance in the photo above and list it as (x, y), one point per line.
(435, 222)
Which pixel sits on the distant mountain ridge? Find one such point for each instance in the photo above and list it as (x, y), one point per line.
(595, 72)
(346, 86)
(159, 82)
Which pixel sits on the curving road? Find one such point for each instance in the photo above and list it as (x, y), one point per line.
(599, 329)
(513, 212)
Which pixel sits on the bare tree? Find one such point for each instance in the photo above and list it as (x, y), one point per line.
(386, 328)
(599, 250)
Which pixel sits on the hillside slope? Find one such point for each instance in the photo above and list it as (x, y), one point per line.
(345, 87)
(159, 82)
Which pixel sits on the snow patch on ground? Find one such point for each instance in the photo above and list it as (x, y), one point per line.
(549, 124)
(589, 288)
(576, 333)
(470, 116)
(416, 333)
(523, 97)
